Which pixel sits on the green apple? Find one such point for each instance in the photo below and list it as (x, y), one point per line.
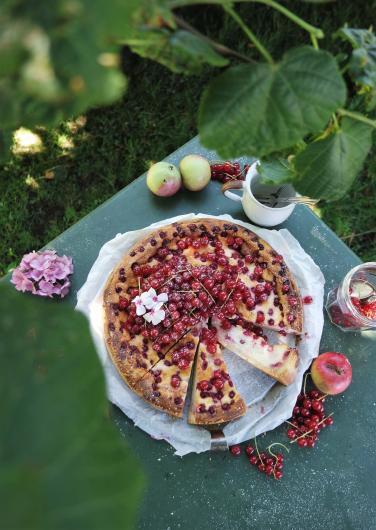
(163, 179)
(195, 172)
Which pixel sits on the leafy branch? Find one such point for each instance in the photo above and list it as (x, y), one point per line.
(289, 112)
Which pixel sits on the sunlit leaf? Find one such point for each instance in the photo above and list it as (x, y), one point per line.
(260, 108)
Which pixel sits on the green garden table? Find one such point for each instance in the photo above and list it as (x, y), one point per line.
(329, 487)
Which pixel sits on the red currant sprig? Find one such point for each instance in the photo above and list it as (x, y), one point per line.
(270, 464)
(225, 171)
(308, 418)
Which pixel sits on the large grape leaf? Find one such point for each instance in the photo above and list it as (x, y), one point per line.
(260, 108)
(63, 464)
(362, 63)
(180, 51)
(327, 168)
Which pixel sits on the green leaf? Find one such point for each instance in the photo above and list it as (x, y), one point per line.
(362, 63)
(63, 463)
(6, 139)
(358, 38)
(327, 168)
(261, 108)
(195, 49)
(75, 56)
(9, 106)
(12, 49)
(371, 101)
(276, 171)
(180, 51)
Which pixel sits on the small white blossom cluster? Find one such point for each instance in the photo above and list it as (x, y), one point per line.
(153, 302)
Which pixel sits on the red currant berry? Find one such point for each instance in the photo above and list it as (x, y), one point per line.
(291, 434)
(249, 450)
(236, 450)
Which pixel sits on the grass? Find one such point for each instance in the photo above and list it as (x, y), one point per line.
(85, 161)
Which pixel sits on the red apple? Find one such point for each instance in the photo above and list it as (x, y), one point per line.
(163, 179)
(331, 372)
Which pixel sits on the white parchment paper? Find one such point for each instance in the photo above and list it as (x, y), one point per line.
(269, 403)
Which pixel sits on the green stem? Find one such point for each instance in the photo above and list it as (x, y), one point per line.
(276, 443)
(305, 381)
(345, 68)
(357, 116)
(257, 450)
(315, 44)
(335, 121)
(309, 432)
(264, 52)
(317, 32)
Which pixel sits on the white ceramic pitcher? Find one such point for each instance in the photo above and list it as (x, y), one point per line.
(256, 211)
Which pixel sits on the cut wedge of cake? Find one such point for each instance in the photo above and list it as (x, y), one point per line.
(279, 361)
(214, 396)
(165, 386)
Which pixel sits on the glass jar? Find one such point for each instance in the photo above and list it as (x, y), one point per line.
(346, 302)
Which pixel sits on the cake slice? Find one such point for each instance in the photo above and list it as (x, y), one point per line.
(165, 386)
(279, 361)
(214, 396)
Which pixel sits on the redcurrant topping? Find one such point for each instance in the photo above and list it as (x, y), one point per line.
(175, 381)
(203, 385)
(123, 303)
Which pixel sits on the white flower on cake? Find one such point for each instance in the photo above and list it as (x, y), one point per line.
(153, 301)
(156, 314)
(150, 298)
(140, 309)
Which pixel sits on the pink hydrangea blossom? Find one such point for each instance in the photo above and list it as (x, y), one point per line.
(21, 281)
(43, 273)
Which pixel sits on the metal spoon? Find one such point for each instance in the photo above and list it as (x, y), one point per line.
(270, 201)
(364, 290)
